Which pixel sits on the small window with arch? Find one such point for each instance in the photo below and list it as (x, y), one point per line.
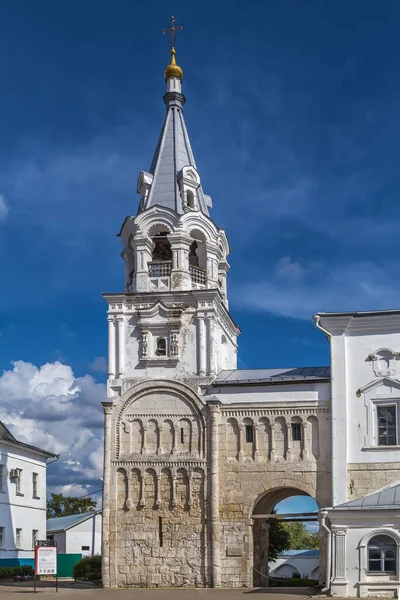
(190, 199)
(161, 347)
(249, 434)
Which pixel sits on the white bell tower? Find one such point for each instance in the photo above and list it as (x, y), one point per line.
(172, 319)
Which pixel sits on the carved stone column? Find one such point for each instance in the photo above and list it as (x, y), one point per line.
(159, 438)
(241, 443)
(272, 436)
(111, 346)
(144, 440)
(143, 253)
(189, 497)
(173, 499)
(106, 496)
(305, 441)
(158, 491)
(289, 441)
(142, 500)
(175, 440)
(256, 450)
(214, 494)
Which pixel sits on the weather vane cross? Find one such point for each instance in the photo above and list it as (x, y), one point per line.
(172, 29)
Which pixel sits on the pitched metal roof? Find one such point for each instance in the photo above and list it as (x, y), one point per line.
(388, 497)
(173, 152)
(259, 376)
(63, 523)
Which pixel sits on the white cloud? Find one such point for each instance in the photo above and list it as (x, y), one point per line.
(3, 208)
(48, 407)
(99, 365)
(285, 267)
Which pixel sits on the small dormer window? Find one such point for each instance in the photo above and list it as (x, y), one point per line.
(161, 347)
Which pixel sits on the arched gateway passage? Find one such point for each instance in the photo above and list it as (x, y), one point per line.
(262, 515)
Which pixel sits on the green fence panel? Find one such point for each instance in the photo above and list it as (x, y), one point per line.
(65, 563)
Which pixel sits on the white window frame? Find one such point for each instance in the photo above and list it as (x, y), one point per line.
(18, 538)
(18, 484)
(2, 471)
(376, 403)
(2, 537)
(35, 483)
(35, 536)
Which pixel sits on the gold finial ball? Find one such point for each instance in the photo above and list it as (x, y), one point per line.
(173, 70)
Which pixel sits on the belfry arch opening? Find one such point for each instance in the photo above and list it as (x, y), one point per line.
(284, 505)
(198, 253)
(161, 255)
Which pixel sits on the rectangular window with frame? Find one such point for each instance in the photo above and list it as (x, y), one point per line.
(18, 483)
(35, 478)
(249, 434)
(18, 538)
(387, 425)
(2, 537)
(296, 432)
(35, 533)
(2, 478)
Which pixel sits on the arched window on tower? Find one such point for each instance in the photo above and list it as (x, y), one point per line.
(161, 263)
(193, 257)
(190, 199)
(161, 347)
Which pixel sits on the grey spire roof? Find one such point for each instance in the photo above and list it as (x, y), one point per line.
(388, 497)
(173, 152)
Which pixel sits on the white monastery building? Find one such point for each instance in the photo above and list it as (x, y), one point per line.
(22, 496)
(197, 452)
(76, 534)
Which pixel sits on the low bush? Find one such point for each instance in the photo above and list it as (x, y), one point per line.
(13, 572)
(88, 568)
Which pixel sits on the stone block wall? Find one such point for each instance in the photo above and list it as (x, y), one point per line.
(366, 478)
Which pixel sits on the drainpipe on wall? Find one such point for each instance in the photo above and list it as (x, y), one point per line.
(323, 513)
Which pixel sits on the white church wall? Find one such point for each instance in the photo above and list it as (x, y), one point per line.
(351, 532)
(362, 447)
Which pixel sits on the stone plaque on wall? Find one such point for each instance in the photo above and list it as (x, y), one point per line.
(234, 551)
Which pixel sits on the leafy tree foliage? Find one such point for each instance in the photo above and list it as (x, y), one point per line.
(300, 538)
(279, 539)
(61, 506)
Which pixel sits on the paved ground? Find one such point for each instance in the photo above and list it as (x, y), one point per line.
(82, 592)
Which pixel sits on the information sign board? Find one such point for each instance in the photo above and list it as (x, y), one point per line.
(46, 560)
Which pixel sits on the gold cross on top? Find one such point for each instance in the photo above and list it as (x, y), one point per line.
(172, 29)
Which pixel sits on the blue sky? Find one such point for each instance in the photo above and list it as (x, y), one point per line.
(292, 110)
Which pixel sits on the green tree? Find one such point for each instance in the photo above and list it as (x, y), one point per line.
(279, 539)
(300, 538)
(61, 506)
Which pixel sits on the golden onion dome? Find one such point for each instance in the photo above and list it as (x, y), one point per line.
(173, 70)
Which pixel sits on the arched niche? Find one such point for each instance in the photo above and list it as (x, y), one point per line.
(160, 400)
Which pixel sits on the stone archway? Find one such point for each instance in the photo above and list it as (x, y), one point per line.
(264, 505)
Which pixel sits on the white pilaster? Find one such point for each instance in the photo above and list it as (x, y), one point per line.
(121, 344)
(212, 367)
(202, 346)
(111, 347)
